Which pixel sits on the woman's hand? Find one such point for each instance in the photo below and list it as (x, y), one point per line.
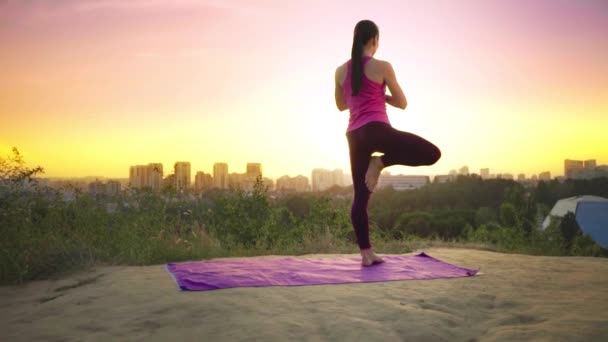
(393, 102)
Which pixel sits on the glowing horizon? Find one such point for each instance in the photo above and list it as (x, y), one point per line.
(92, 88)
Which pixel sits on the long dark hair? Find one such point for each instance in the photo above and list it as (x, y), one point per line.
(364, 31)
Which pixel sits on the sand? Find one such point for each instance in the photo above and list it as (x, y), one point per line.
(518, 297)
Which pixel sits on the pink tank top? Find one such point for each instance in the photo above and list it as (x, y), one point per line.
(369, 104)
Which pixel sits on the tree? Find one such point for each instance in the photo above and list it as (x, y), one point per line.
(569, 229)
(543, 194)
(508, 215)
(13, 173)
(484, 215)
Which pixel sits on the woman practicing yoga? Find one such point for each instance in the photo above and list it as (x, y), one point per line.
(360, 87)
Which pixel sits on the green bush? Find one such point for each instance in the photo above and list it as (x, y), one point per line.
(42, 235)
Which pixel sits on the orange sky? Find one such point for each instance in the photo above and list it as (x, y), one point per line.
(90, 88)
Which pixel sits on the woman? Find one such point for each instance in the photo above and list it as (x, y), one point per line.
(360, 87)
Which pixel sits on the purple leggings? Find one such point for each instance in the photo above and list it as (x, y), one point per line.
(399, 147)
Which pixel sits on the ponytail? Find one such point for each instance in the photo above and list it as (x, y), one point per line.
(365, 30)
(356, 56)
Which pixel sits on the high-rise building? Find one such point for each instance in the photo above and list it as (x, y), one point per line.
(202, 181)
(182, 176)
(154, 176)
(323, 179)
(97, 188)
(113, 187)
(590, 164)
(592, 172)
(220, 175)
(109, 188)
(146, 176)
(464, 171)
(544, 176)
(484, 173)
(137, 176)
(298, 183)
(240, 181)
(572, 167)
(254, 170)
(521, 177)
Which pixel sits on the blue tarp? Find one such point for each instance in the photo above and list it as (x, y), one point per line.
(592, 217)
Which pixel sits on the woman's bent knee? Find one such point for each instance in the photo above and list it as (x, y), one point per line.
(435, 155)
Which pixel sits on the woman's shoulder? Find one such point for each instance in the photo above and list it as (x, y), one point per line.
(341, 70)
(381, 67)
(380, 62)
(343, 65)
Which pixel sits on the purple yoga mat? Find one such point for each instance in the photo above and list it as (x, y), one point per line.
(294, 271)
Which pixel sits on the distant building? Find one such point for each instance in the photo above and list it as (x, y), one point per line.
(544, 176)
(182, 176)
(254, 169)
(464, 171)
(590, 164)
(97, 188)
(146, 176)
(137, 176)
(521, 177)
(268, 183)
(203, 181)
(113, 187)
(323, 179)
(484, 173)
(402, 182)
(240, 181)
(506, 176)
(443, 178)
(220, 175)
(590, 173)
(534, 178)
(298, 183)
(572, 167)
(169, 181)
(110, 188)
(154, 176)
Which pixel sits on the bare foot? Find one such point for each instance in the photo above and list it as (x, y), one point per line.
(373, 173)
(370, 258)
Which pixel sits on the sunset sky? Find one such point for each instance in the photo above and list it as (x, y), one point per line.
(88, 88)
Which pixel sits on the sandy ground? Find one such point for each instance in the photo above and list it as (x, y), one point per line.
(517, 298)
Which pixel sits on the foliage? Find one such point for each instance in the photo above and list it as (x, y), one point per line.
(43, 235)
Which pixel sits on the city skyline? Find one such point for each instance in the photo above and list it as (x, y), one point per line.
(93, 87)
(151, 176)
(569, 166)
